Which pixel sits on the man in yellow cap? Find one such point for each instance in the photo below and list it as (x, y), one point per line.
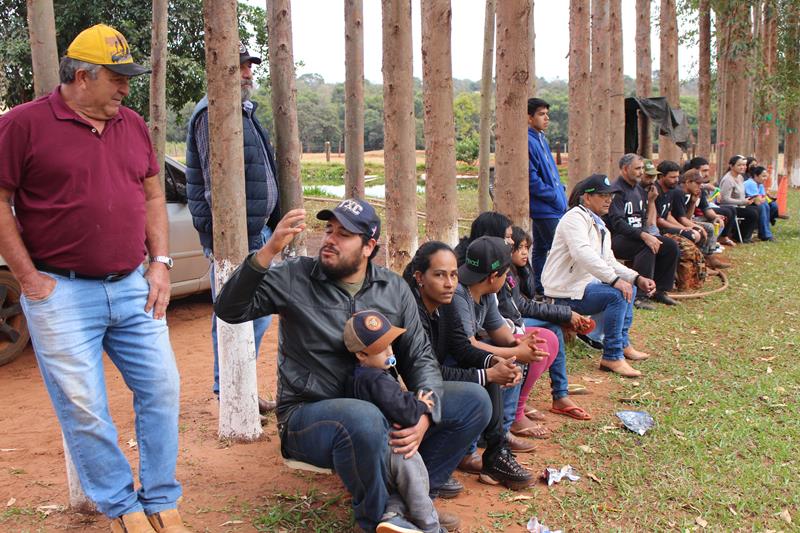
(81, 171)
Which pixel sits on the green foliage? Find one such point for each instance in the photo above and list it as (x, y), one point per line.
(467, 148)
(133, 18)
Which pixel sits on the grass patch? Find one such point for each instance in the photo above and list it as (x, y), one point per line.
(315, 511)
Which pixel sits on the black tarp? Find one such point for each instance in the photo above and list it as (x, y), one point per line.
(671, 123)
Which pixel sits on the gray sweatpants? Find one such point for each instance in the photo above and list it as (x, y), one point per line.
(409, 493)
(711, 241)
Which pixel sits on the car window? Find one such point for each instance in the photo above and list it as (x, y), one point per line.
(174, 182)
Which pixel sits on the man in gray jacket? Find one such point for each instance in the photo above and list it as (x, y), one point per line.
(314, 298)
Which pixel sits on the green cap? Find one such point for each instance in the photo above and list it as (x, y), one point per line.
(650, 168)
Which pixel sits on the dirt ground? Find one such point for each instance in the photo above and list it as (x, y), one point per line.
(219, 479)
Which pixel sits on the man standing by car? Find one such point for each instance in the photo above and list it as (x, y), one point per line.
(83, 177)
(261, 190)
(315, 296)
(548, 199)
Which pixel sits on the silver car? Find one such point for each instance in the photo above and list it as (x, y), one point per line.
(189, 275)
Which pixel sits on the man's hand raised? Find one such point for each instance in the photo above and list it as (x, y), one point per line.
(287, 229)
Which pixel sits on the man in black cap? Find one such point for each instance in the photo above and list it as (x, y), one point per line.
(261, 189)
(581, 272)
(315, 296)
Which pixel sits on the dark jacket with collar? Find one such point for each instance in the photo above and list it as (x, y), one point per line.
(516, 306)
(380, 388)
(313, 362)
(198, 189)
(459, 359)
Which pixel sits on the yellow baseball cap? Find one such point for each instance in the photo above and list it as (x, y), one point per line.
(103, 45)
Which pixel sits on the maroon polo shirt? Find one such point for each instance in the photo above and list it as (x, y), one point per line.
(78, 194)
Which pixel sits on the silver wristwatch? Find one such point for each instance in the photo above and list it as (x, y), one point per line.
(162, 259)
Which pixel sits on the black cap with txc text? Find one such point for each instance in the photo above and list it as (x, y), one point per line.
(357, 216)
(484, 256)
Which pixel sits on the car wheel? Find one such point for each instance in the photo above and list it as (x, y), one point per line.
(13, 325)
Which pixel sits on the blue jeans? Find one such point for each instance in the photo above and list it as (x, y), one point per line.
(617, 315)
(510, 401)
(764, 230)
(70, 328)
(543, 231)
(260, 325)
(558, 370)
(351, 436)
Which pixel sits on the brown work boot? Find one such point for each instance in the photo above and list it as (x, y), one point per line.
(131, 523)
(168, 522)
(712, 261)
(518, 444)
(471, 464)
(632, 354)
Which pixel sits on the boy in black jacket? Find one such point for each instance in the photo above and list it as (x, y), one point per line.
(369, 335)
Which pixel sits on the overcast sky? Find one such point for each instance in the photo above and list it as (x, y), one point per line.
(318, 31)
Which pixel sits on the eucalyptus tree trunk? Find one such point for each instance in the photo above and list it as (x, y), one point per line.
(511, 183)
(644, 74)
(616, 100)
(484, 149)
(354, 98)
(441, 221)
(704, 76)
(44, 54)
(284, 112)
(600, 80)
(579, 164)
(238, 394)
(767, 111)
(668, 73)
(399, 134)
(158, 83)
(532, 58)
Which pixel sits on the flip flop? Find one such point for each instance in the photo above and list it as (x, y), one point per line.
(572, 411)
(535, 415)
(577, 388)
(537, 432)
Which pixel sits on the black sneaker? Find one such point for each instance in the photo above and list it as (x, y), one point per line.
(663, 298)
(644, 303)
(505, 469)
(590, 342)
(451, 488)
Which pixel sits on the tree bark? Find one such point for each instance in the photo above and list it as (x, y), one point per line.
(354, 98)
(532, 58)
(399, 134)
(579, 150)
(284, 110)
(735, 31)
(668, 73)
(767, 110)
(644, 74)
(158, 83)
(600, 87)
(238, 406)
(616, 100)
(511, 183)
(484, 149)
(441, 221)
(722, 39)
(704, 76)
(44, 54)
(791, 158)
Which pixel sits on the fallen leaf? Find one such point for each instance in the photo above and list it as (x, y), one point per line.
(47, 510)
(678, 434)
(767, 359)
(11, 502)
(785, 516)
(764, 398)
(693, 331)
(732, 510)
(700, 522)
(767, 348)
(585, 449)
(521, 497)
(606, 429)
(9, 449)
(592, 380)
(678, 389)
(769, 370)
(780, 389)
(635, 383)
(594, 478)
(232, 523)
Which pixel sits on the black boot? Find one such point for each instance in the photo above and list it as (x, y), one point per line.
(503, 467)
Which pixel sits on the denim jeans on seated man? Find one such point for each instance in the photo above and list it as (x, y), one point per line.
(351, 437)
(764, 230)
(260, 325)
(70, 329)
(617, 315)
